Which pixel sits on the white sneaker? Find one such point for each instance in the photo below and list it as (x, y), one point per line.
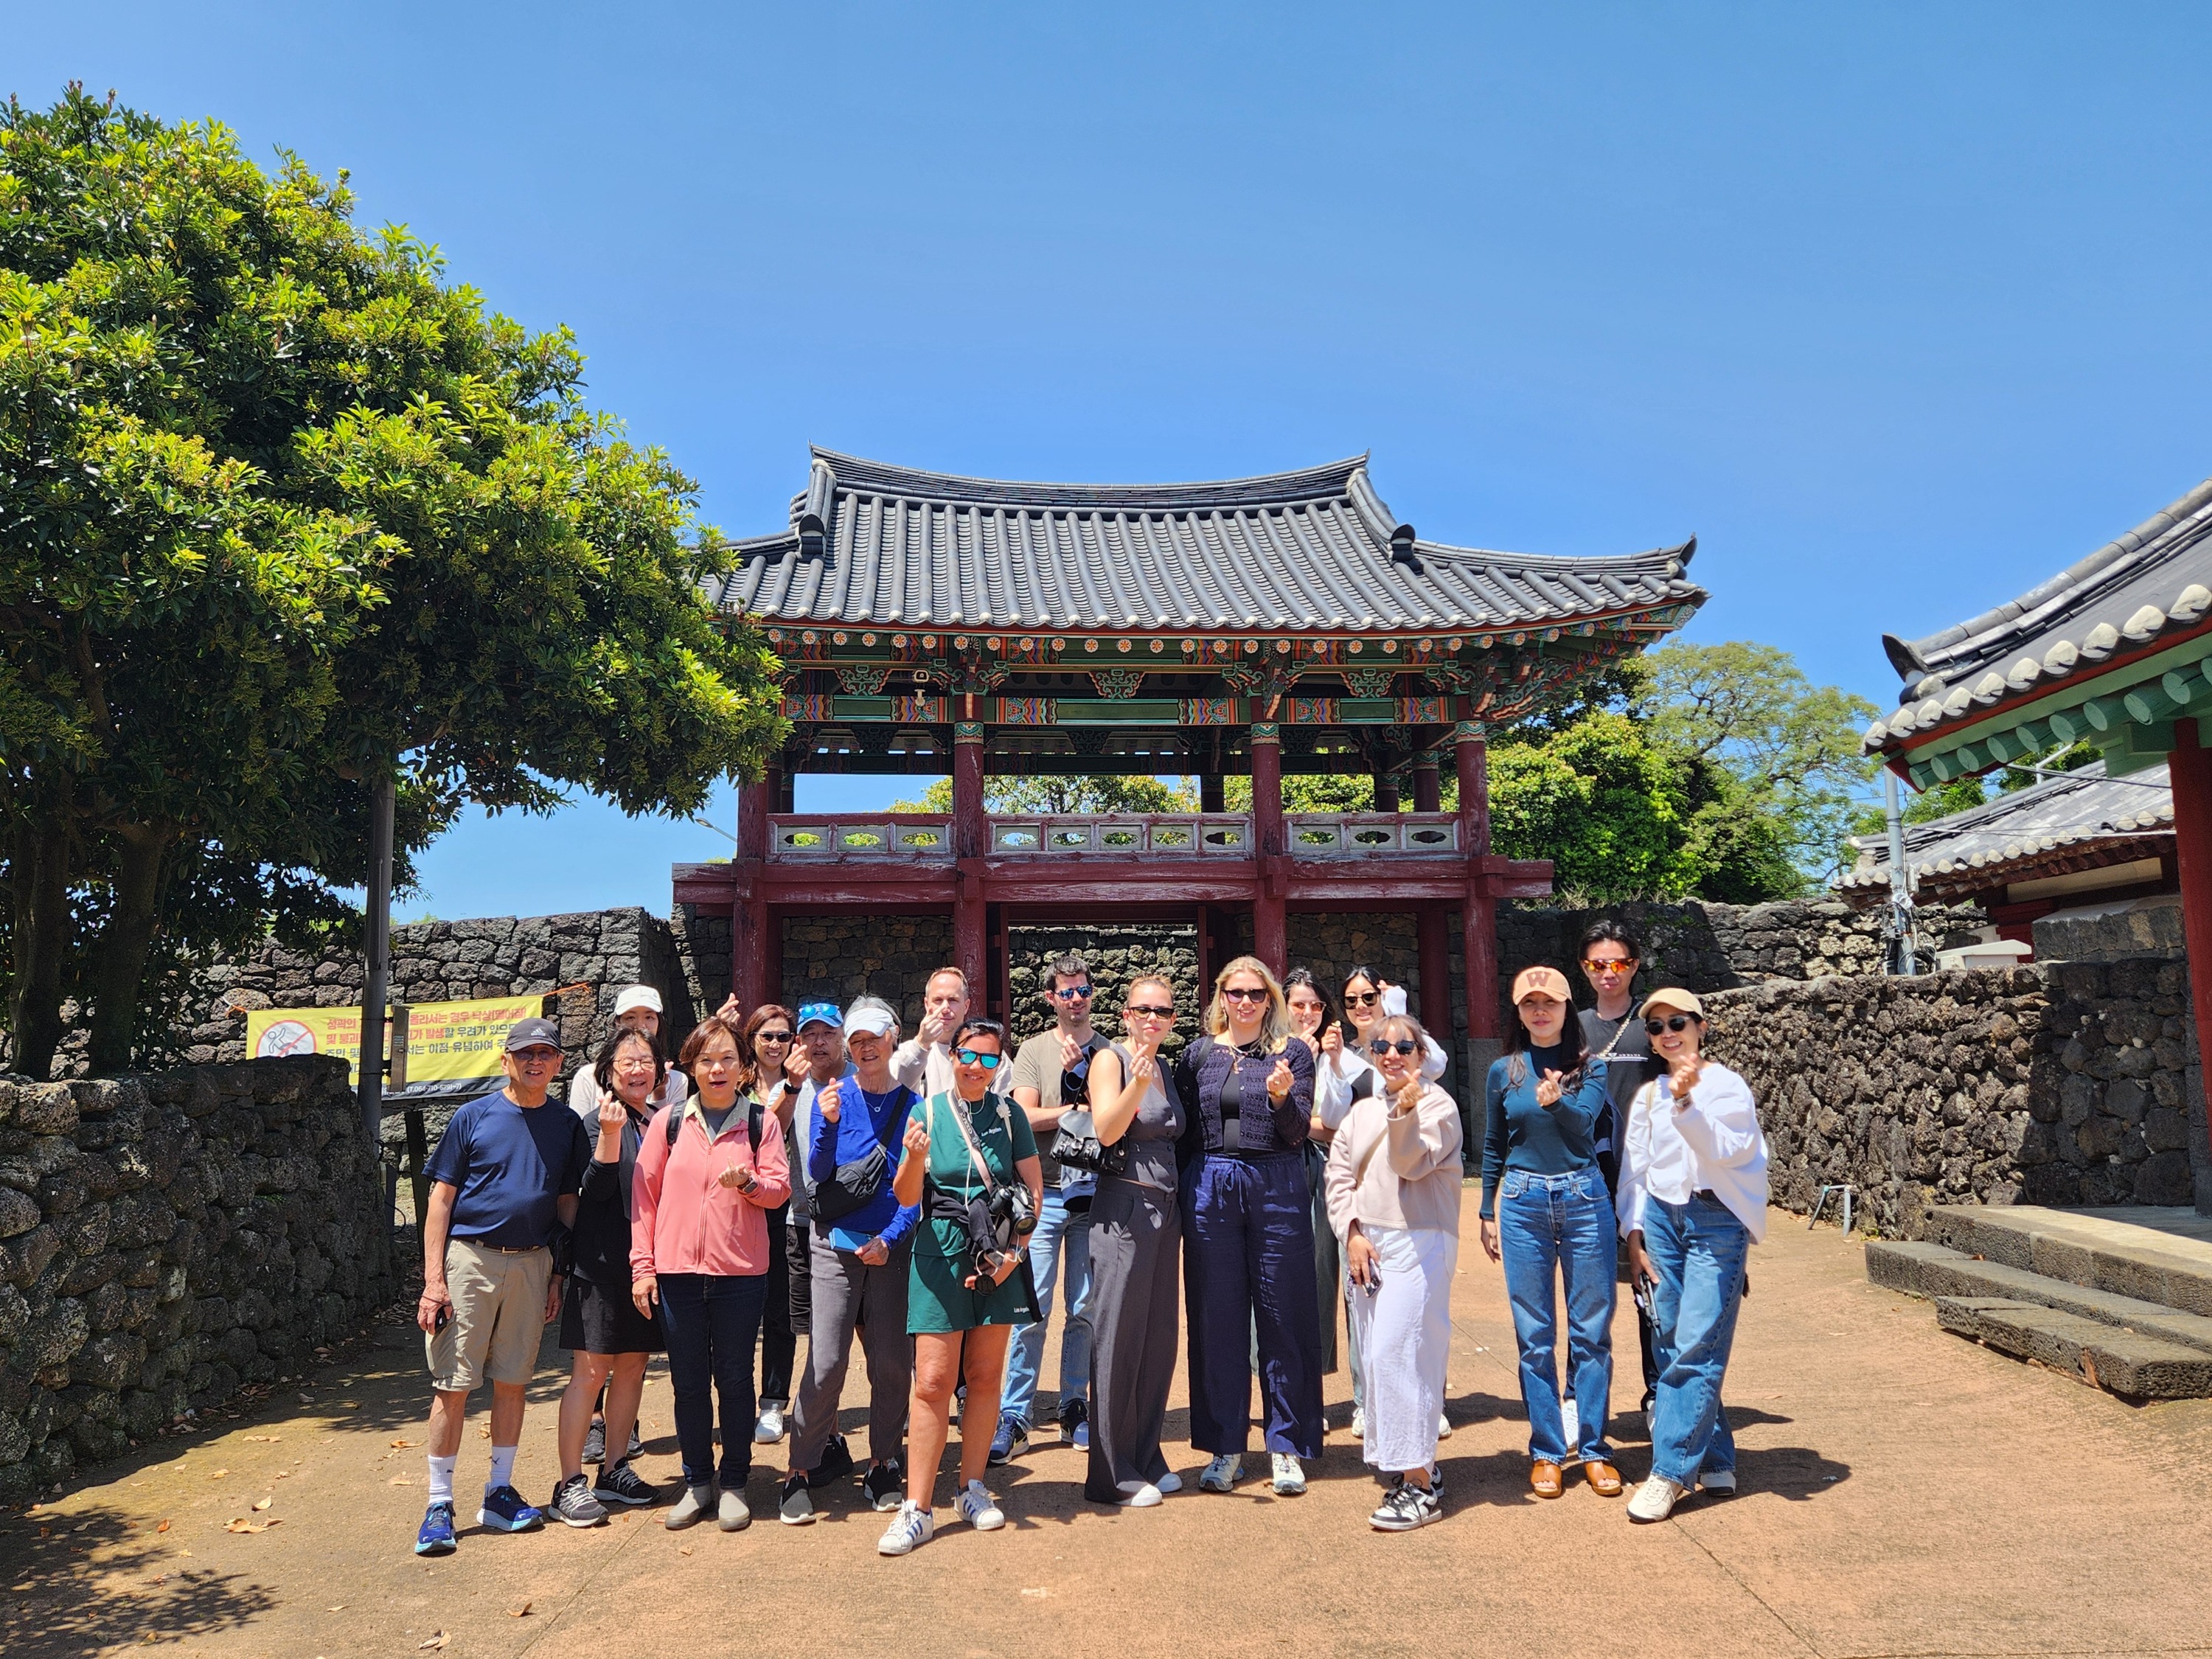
(1722, 1482)
(1444, 1426)
(1655, 1499)
(1139, 1495)
(1290, 1479)
(1358, 1422)
(978, 1510)
(769, 1429)
(1221, 1473)
(1570, 1426)
(1169, 1482)
(911, 1526)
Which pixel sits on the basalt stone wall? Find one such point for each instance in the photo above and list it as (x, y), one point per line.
(1115, 953)
(2053, 1083)
(836, 956)
(165, 1239)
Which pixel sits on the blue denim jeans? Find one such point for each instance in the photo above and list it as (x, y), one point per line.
(1698, 1251)
(710, 1321)
(1553, 1227)
(1061, 1244)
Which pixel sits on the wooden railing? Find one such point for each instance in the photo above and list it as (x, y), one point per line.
(925, 838)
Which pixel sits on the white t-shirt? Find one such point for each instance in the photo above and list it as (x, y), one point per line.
(584, 1093)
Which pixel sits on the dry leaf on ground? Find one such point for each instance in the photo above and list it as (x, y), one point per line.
(686, 1550)
(220, 1474)
(264, 1504)
(401, 1445)
(519, 1610)
(402, 1479)
(243, 1525)
(437, 1641)
(164, 1527)
(265, 1439)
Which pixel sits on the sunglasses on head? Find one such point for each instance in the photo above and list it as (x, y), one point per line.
(1152, 1010)
(1673, 1022)
(1240, 994)
(971, 1057)
(1382, 1046)
(1073, 993)
(1361, 998)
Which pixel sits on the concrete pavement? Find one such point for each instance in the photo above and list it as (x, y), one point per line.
(1905, 1493)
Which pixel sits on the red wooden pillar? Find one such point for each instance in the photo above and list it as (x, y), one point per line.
(1270, 936)
(750, 923)
(1428, 794)
(1435, 943)
(1478, 915)
(970, 834)
(2189, 772)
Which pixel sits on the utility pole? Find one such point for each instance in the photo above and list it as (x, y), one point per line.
(1900, 880)
(376, 980)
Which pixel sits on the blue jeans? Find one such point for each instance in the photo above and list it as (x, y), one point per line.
(710, 1321)
(1554, 1227)
(1698, 1251)
(1061, 1242)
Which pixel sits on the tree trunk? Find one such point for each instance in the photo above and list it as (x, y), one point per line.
(41, 937)
(125, 942)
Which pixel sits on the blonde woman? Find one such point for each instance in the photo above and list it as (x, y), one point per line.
(1248, 1221)
(1392, 1186)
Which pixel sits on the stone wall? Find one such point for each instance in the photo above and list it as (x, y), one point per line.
(164, 1240)
(835, 957)
(1115, 953)
(2052, 1084)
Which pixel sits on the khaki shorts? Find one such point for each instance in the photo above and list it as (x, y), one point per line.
(499, 1316)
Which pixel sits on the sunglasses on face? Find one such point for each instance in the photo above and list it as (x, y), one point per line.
(1674, 1023)
(1382, 1046)
(772, 1036)
(1151, 1012)
(1242, 995)
(1073, 992)
(1623, 965)
(1361, 998)
(971, 1057)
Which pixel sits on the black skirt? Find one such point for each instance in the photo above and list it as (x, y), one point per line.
(595, 1319)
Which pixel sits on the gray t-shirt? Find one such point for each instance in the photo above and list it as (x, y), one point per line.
(1629, 1067)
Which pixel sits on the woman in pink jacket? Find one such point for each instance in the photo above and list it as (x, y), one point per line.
(710, 1170)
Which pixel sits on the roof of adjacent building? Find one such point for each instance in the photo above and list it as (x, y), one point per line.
(872, 544)
(2154, 581)
(2075, 821)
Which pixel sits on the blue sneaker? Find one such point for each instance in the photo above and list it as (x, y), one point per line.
(1013, 1432)
(504, 1510)
(436, 1537)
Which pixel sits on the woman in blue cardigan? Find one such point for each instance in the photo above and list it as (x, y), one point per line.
(1545, 1210)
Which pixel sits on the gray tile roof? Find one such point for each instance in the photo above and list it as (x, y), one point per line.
(2154, 581)
(2080, 817)
(870, 543)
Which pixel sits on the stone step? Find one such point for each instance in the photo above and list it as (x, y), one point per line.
(2095, 1252)
(2125, 1362)
(1936, 1270)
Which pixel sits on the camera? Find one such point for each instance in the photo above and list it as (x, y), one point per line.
(1010, 1208)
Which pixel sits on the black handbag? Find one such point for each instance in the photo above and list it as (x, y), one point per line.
(1076, 1146)
(854, 1184)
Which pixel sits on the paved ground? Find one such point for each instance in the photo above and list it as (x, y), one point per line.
(1905, 1493)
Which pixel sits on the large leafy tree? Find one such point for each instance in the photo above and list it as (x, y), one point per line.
(282, 513)
(1098, 793)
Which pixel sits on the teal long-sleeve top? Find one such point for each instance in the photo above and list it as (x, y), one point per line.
(1520, 1134)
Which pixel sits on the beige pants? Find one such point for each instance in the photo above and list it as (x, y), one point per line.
(499, 1316)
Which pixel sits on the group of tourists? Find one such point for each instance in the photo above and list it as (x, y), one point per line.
(807, 1171)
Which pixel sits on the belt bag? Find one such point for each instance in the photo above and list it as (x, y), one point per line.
(854, 1184)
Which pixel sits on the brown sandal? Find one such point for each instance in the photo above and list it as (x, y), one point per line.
(1544, 1478)
(1604, 1478)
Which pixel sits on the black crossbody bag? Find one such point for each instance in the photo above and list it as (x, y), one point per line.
(1076, 1145)
(856, 1183)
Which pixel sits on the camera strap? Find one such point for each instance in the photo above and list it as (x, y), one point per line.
(975, 1152)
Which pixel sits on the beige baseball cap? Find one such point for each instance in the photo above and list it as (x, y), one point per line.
(1673, 997)
(1542, 981)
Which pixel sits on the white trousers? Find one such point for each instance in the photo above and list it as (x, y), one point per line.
(1404, 1342)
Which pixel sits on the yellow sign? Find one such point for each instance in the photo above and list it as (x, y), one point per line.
(445, 1040)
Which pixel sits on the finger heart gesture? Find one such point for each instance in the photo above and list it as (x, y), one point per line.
(917, 1139)
(1280, 1080)
(1548, 1091)
(826, 1102)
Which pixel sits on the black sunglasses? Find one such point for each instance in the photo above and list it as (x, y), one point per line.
(771, 1036)
(1676, 1022)
(1154, 1010)
(1240, 994)
(1382, 1046)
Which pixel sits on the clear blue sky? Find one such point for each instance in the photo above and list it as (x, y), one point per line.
(1899, 309)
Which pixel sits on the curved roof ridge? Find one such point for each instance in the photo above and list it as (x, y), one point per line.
(858, 475)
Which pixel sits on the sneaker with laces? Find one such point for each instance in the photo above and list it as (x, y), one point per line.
(1406, 1507)
(795, 1508)
(1013, 1432)
(910, 1526)
(834, 1464)
(622, 1484)
(885, 1485)
(1719, 1482)
(1074, 1414)
(980, 1509)
(1655, 1499)
(1222, 1472)
(573, 1504)
(436, 1537)
(769, 1429)
(636, 1447)
(595, 1442)
(1289, 1478)
(504, 1510)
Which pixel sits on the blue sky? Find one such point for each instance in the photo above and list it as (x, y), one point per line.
(1899, 309)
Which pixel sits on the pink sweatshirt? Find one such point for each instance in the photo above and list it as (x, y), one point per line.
(685, 1221)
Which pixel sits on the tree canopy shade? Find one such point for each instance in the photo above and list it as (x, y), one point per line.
(281, 512)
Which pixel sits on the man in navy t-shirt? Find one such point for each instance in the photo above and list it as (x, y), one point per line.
(504, 1181)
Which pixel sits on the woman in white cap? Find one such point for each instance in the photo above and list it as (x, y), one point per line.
(1546, 1214)
(1693, 1203)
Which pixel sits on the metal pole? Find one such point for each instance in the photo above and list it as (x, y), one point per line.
(376, 980)
(1900, 879)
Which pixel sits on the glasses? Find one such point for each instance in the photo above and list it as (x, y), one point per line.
(971, 1057)
(1622, 965)
(1382, 1046)
(1240, 994)
(1150, 1011)
(1073, 992)
(1361, 998)
(1677, 1022)
(772, 1036)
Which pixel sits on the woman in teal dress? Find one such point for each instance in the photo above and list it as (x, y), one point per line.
(961, 1311)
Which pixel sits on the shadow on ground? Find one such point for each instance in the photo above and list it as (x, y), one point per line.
(100, 1580)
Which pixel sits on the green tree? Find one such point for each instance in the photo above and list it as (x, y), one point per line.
(1093, 792)
(282, 513)
(1607, 805)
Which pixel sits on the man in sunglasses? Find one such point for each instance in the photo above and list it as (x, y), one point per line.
(1614, 1029)
(1051, 1074)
